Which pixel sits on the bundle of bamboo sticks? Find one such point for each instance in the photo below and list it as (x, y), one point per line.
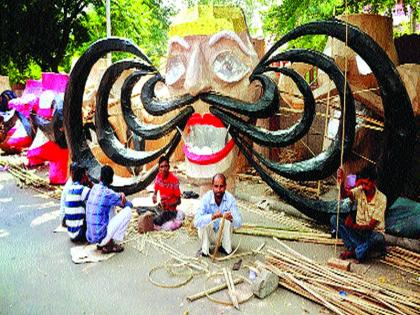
(287, 234)
(29, 178)
(403, 259)
(340, 291)
(283, 219)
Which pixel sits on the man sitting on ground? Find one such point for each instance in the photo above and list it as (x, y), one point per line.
(170, 196)
(75, 203)
(85, 181)
(367, 233)
(216, 204)
(103, 225)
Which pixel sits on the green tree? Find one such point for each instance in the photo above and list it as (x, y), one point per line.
(40, 30)
(280, 19)
(145, 22)
(49, 32)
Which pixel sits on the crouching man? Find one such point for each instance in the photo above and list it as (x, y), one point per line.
(366, 233)
(104, 226)
(216, 204)
(75, 196)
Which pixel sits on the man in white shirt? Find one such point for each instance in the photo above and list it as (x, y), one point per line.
(216, 204)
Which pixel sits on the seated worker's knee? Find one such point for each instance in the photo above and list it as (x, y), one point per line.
(361, 251)
(377, 240)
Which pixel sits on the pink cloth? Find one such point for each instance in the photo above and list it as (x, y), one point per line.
(29, 99)
(172, 225)
(52, 85)
(57, 157)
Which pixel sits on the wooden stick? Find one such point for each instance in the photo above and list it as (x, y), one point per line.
(215, 289)
(316, 295)
(370, 298)
(240, 255)
(231, 289)
(219, 238)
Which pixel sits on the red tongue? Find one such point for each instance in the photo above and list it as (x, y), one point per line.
(206, 119)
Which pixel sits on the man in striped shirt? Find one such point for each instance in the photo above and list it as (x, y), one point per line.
(74, 205)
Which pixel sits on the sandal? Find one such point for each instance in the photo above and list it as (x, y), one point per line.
(348, 254)
(112, 248)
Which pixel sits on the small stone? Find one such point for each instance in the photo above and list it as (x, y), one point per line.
(265, 284)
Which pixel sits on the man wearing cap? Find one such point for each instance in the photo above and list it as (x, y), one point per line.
(75, 199)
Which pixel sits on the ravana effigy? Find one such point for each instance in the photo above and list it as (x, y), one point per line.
(202, 37)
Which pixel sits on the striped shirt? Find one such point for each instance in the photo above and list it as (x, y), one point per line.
(74, 208)
(101, 201)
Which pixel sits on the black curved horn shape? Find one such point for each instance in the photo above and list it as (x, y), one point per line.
(400, 130)
(263, 108)
(278, 138)
(108, 141)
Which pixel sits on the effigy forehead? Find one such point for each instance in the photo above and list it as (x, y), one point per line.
(207, 20)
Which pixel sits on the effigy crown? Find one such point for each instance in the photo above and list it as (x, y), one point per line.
(207, 20)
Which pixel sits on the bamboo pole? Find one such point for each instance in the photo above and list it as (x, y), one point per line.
(215, 289)
(219, 238)
(231, 288)
(362, 297)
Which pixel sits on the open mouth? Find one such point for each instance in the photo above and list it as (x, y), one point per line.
(207, 140)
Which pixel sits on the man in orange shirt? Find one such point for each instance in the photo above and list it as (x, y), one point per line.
(170, 195)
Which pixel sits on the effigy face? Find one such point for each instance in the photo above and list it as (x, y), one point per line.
(216, 87)
(210, 51)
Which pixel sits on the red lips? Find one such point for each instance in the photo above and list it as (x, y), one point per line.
(207, 119)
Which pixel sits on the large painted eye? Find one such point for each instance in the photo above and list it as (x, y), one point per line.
(175, 69)
(228, 67)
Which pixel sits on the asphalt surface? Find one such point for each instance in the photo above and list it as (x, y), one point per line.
(37, 275)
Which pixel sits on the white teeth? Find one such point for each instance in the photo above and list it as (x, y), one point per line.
(206, 139)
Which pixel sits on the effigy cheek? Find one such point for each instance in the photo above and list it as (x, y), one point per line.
(175, 70)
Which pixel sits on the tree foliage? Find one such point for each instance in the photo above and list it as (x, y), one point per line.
(48, 33)
(39, 31)
(145, 22)
(282, 18)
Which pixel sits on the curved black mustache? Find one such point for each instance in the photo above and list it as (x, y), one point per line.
(73, 120)
(263, 108)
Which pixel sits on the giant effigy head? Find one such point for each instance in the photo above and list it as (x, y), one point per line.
(212, 69)
(210, 50)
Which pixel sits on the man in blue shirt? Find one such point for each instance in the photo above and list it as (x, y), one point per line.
(103, 226)
(214, 205)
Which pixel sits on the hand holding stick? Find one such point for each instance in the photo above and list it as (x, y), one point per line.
(219, 238)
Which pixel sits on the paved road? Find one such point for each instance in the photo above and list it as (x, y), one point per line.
(37, 275)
